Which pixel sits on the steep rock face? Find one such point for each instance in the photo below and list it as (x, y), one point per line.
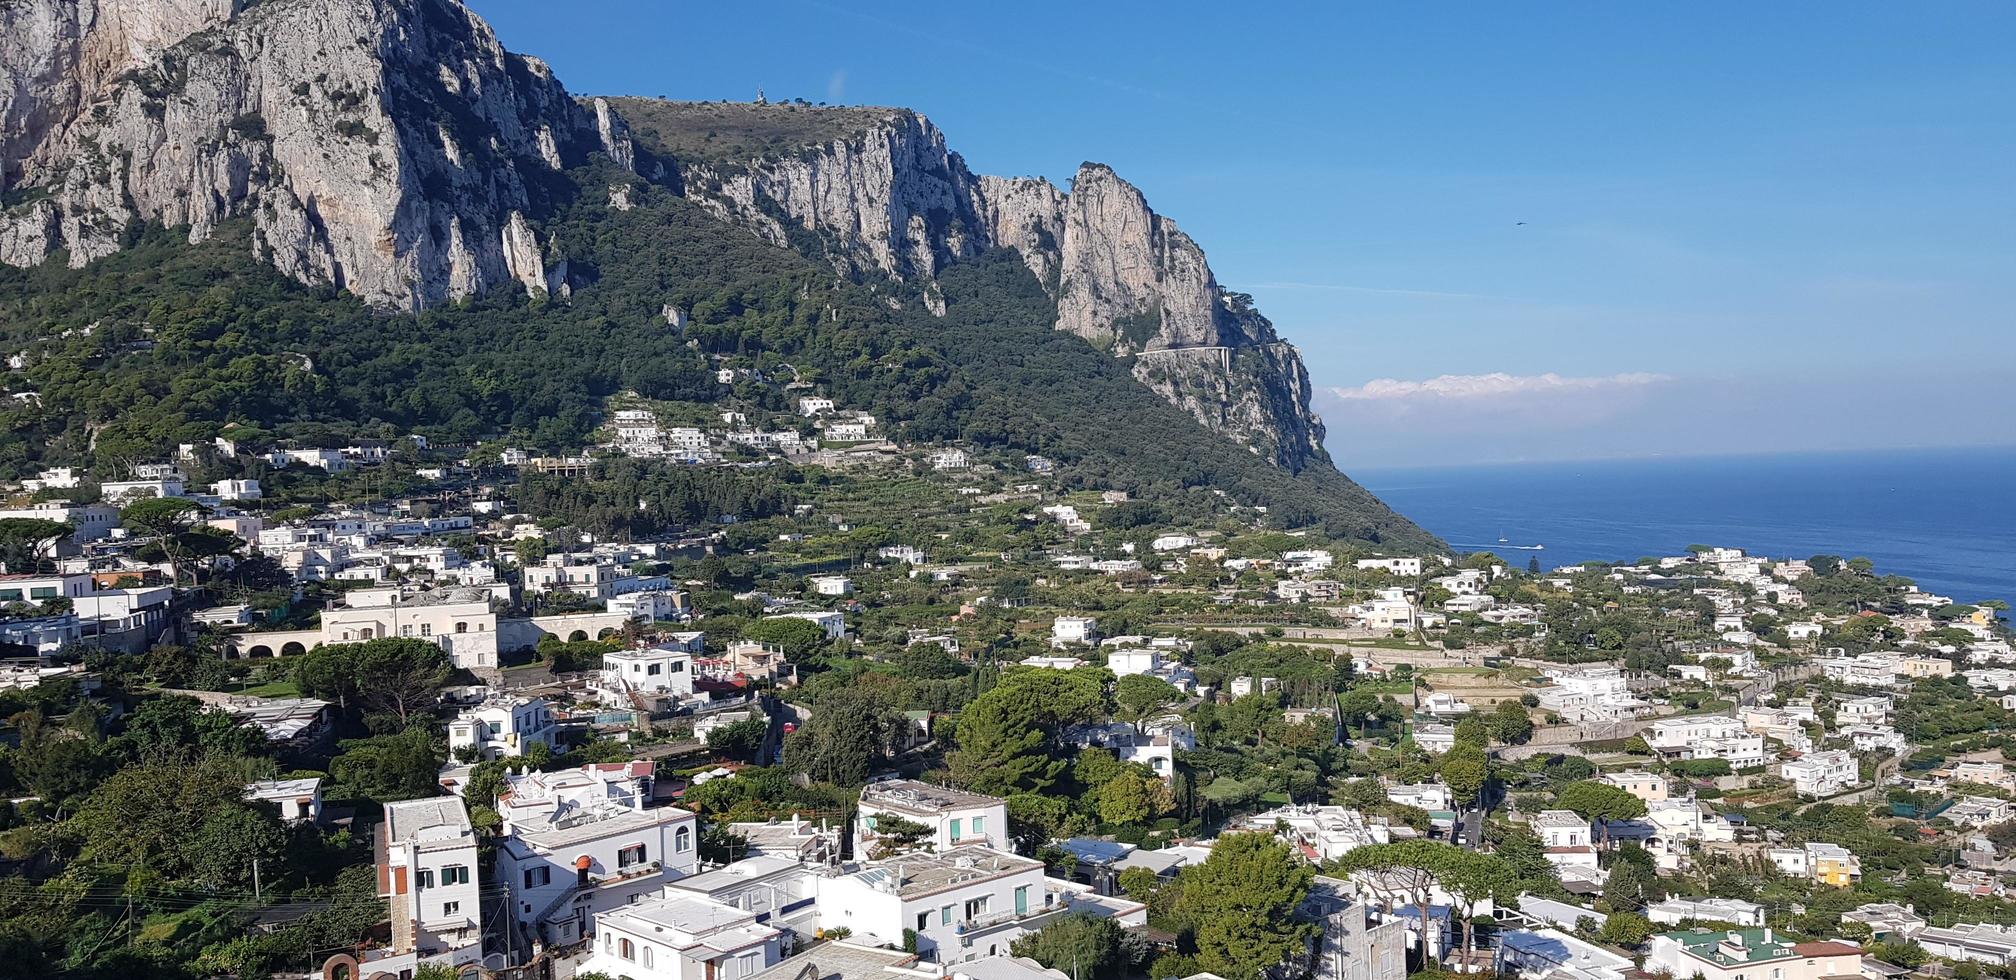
(890, 199)
(390, 147)
(893, 199)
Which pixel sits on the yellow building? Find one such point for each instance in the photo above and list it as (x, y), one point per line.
(1924, 667)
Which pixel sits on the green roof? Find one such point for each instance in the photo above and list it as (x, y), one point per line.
(1707, 944)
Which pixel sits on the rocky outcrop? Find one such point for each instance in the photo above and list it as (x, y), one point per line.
(390, 147)
(889, 199)
(893, 199)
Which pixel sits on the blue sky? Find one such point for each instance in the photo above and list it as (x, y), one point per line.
(1747, 226)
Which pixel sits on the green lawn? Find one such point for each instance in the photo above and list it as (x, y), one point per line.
(273, 689)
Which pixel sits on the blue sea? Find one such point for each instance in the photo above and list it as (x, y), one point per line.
(1945, 518)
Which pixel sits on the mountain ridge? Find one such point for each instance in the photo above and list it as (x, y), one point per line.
(889, 196)
(394, 150)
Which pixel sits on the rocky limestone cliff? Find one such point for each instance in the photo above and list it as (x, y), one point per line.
(389, 147)
(394, 149)
(892, 198)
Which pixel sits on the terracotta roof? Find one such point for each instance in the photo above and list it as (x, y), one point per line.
(1827, 948)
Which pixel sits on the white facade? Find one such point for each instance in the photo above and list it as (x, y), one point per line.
(1674, 911)
(1707, 737)
(1974, 942)
(428, 873)
(954, 816)
(658, 672)
(1821, 773)
(298, 800)
(581, 575)
(1073, 629)
(90, 522)
(833, 585)
(503, 728)
(582, 844)
(1404, 567)
(681, 936)
(969, 903)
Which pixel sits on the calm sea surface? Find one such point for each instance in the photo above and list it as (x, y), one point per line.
(1946, 518)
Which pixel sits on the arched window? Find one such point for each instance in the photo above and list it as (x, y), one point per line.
(682, 840)
(626, 949)
(647, 956)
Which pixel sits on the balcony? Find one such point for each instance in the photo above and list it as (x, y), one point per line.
(1053, 902)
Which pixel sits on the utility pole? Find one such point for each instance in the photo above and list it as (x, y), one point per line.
(255, 881)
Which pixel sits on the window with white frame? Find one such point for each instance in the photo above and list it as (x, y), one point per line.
(630, 856)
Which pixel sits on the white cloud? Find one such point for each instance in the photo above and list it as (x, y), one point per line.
(836, 86)
(1450, 386)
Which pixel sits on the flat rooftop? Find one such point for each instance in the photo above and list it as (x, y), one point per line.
(434, 818)
(929, 873)
(911, 796)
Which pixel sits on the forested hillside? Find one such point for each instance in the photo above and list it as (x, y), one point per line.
(168, 342)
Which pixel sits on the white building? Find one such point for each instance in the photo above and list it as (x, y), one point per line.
(298, 800)
(237, 490)
(502, 727)
(1865, 670)
(1873, 710)
(577, 843)
(968, 903)
(1819, 774)
(428, 872)
(585, 575)
(89, 522)
(833, 585)
(661, 672)
(1403, 567)
(1887, 920)
(1675, 911)
(1421, 796)
(1707, 737)
(1435, 739)
(954, 816)
(1565, 835)
(1155, 748)
(1994, 945)
(1591, 693)
(680, 936)
(1066, 630)
(1318, 833)
(1980, 811)
(1390, 609)
(123, 492)
(1532, 954)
